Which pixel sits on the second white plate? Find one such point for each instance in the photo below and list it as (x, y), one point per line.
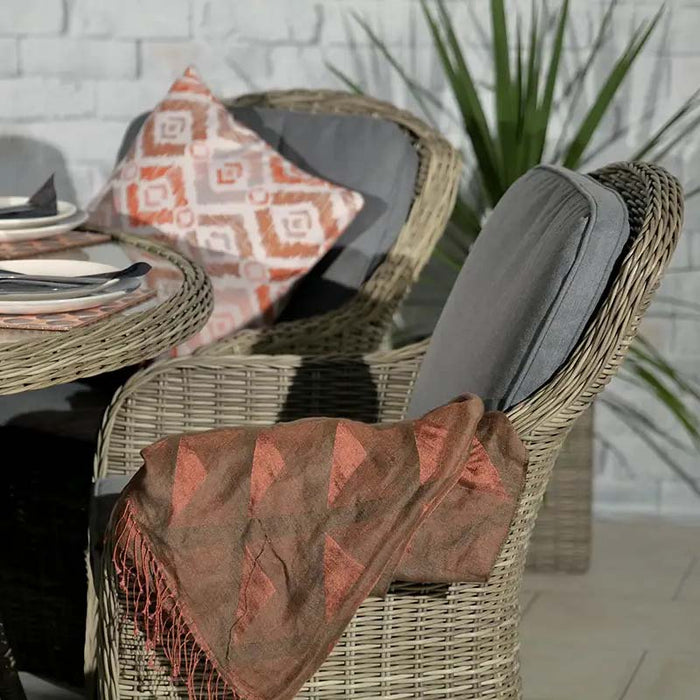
(32, 234)
(64, 211)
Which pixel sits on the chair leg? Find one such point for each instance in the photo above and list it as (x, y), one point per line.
(10, 685)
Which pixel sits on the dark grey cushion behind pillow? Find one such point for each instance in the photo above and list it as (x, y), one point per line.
(368, 155)
(526, 291)
(371, 156)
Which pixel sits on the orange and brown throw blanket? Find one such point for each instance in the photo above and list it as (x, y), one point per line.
(245, 552)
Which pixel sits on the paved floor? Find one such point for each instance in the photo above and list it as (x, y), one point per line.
(627, 630)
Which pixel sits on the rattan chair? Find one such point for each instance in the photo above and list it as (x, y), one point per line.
(562, 538)
(360, 325)
(440, 641)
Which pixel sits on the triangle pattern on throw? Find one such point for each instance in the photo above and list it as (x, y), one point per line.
(268, 465)
(348, 455)
(480, 473)
(256, 591)
(340, 573)
(430, 442)
(189, 476)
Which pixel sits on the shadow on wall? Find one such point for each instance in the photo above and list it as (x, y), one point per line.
(26, 163)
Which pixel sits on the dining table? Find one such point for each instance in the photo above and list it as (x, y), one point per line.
(177, 303)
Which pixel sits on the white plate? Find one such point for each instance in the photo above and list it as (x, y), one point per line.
(64, 211)
(32, 234)
(60, 268)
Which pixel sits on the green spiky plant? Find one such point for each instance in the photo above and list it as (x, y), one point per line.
(528, 89)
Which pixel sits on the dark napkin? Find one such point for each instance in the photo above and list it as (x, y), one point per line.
(41, 203)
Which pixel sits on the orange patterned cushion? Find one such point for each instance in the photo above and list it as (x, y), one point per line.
(212, 188)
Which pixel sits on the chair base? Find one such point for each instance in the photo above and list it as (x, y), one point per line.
(561, 540)
(10, 684)
(421, 641)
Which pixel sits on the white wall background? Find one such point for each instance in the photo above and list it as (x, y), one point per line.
(74, 72)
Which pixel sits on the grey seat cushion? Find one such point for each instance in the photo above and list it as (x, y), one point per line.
(526, 291)
(372, 156)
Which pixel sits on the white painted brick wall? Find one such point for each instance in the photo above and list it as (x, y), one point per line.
(398, 23)
(140, 19)
(78, 58)
(8, 57)
(36, 99)
(124, 99)
(74, 72)
(20, 17)
(269, 22)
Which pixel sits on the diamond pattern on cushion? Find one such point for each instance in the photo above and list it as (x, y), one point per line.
(212, 188)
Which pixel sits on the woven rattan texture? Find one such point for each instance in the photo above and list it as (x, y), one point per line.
(456, 641)
(360, 325)
(561, 540)
(118, 341)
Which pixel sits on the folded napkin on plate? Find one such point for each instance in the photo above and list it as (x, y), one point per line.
(41, 203)
(245, 552)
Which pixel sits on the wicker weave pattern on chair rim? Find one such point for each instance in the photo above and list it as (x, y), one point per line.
(118, 341)
(361, 324)
(456, 641)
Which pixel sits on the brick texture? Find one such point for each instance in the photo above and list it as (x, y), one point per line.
(78, 58)
(38, 99)
(124, 99)
(270, 21)
(9, 64)
(144, 19)
(73, 73)
(20, 17)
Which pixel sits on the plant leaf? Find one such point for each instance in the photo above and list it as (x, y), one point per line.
(574, 88)
(464, 90)
(653, 357)
(672, 402)
(529, 138)
(684, 109)
(506, 104)
(545, 110)
(607, 92)
(693, 192)
(648, 440)
(646, 422)
(687, 129)
(441, 254)
(349, 83)
(519, 79)
(465, 216)
(384, 50)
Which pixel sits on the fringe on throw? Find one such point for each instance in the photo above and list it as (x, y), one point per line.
(158, 614)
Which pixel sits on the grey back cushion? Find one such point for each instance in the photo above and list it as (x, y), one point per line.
(528, 288)
(371, 156)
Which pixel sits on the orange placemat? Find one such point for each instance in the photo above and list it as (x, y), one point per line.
(72, 239)
(74, 319)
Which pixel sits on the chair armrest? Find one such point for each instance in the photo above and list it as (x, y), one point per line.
(202, 393)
